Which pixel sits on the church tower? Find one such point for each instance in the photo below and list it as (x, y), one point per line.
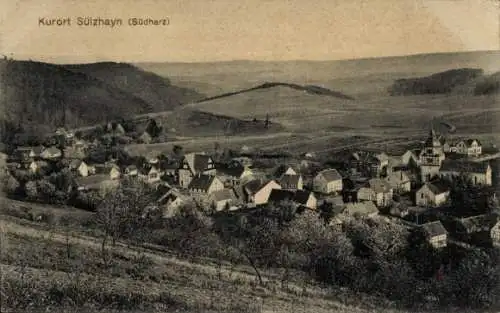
(431, 157)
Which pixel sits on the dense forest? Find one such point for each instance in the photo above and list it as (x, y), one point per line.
(439, 83)
(38, 97)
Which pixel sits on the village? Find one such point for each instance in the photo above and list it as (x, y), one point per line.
(411, 189)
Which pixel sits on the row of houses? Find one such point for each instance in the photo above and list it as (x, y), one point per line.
(480, 230)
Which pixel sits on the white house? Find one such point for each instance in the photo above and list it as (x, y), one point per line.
(399, 181)
(258, 191)
(376, 190)
(432, 195)
(435, 233)
(328, 181)
(195, 164)
(479, 173)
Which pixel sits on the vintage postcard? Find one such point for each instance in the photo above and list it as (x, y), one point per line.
(249, 156)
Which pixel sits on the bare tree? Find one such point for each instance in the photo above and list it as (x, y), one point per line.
(124, 212)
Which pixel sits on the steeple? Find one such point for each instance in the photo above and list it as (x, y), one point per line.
(433, 139)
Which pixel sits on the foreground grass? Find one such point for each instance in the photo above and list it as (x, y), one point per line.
(62, 271)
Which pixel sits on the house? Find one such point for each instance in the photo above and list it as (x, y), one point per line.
(376, 163)
(282, 170)
(306, 199)
(328, 181)
(205, 184)
(145, 137)
(363, 208)
(399, 181)
(172, 204)
(131, 171)
(469, 147)
(257, 191)
(51, 153)
(435, 234)
(111, 170)
(369, 163)
(243, 161)
(432, 194)
(194, 164)
(222, 199)
(376, 190)
(100, 182)
(479, 173)
(474, 229)
(80, 167)
(231, 174)
(301, 198)
(153, 175)
(37, 166)
(36, 152)
(115, 128)
(291, 182)
(495, 234)
(22, 153)
(409, 157)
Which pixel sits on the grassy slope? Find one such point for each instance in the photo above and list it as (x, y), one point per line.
(319, 121)
(164, 282)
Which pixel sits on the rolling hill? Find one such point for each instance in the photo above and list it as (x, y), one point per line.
(41, 96)
(438, 83)
(360, 77)
(155, 90)
(188, 121)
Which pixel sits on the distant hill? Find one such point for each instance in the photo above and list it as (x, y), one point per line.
(489, 84)
(187, 121)
(439, 83)
(157, 91)
(310, 89)
(40, 96)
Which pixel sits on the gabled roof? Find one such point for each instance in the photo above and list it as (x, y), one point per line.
(105, 168)
(197, 162)
(460, 166)
(75, 163)
(330, 174)
(255, 185)
(290, 180)
(469, 142)
(40, 164)
(38, 150)
(224, 194)
(437, 187)
(52, 150)
(232, 170)
(202, 182)
(398, 177)
(278, 195)
(131, 168)
(281, 170)
(478, 223)
(364, 207)
(91, 180)
(379, 185)
(433, 229)
(302, 196)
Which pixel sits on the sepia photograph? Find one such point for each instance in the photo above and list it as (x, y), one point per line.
(249, 156)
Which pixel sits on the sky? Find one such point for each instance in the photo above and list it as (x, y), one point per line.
(222, 30)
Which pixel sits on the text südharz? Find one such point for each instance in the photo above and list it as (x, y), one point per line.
(80, 21)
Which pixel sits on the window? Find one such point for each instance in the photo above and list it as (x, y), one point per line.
(421, 196)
